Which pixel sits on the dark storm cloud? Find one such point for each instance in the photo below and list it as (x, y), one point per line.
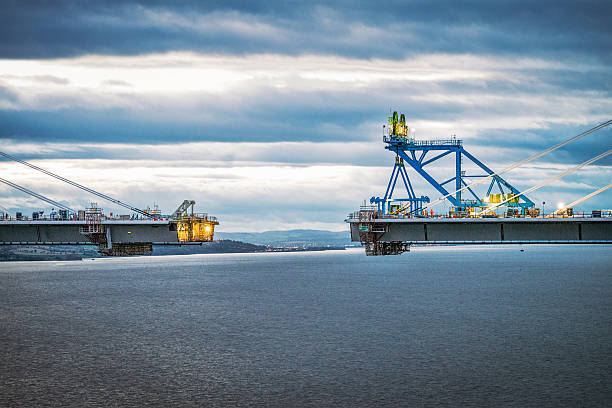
(394, 29)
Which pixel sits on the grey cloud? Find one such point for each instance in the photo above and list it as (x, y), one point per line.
(50, 79)
(360, 29)
(268, 115)
(116, 82)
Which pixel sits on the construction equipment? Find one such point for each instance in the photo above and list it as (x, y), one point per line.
(192, 227)
(414, 152)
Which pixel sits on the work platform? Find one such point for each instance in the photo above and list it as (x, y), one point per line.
(389, 236)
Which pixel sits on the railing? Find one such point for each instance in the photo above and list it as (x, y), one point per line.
(354, 216)
(198, 216)
(103, 218)
(414, 142)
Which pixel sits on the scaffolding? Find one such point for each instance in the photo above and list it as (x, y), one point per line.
(93, 221)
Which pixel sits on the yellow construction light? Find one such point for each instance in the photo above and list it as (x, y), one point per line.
(195, 230)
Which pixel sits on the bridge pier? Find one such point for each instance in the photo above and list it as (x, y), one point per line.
(386, 248)
(142, 248)
(109, 241)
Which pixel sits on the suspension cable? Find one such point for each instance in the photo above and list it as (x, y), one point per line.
(586, 197)
(517, 164)
(39, 196)
(550, 180)
(75, 184)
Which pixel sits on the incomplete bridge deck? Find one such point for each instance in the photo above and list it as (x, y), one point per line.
(385, 236)
(113, 237)
(68, 232)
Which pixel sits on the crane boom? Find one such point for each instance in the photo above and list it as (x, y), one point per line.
(75, 184)
(39, 196)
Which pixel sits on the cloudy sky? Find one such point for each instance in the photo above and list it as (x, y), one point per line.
(270, 114)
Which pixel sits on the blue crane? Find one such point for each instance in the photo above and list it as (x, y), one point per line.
(421, 153)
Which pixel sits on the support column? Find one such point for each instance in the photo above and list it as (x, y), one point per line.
(458, 175)
(109, 243)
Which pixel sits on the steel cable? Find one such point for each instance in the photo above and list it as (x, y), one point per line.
(550, 180)
(586, 197)
(39, 196)
(517, 164)
(75, 184)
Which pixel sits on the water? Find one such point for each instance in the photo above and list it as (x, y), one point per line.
(454, 326)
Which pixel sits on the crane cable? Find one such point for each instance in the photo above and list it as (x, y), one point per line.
(39, 196)
(89, 190)
(515, 165)
(586, 197)
(550, 180)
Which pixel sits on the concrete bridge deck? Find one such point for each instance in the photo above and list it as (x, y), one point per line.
(51, 232)
(113, 237)
(397, 234)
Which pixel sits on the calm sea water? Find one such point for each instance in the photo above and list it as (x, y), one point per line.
(454, 326)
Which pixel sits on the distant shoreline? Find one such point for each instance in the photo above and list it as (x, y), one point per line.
(76, 253)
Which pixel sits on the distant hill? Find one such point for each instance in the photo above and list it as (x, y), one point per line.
(298, 237)
(216, 247)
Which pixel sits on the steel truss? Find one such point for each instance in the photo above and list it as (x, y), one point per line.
(388, 204)
(418, 154)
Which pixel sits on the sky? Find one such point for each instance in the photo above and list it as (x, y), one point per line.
(269, 114)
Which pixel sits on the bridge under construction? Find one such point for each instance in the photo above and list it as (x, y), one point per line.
(503, 215)
(115, 235)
